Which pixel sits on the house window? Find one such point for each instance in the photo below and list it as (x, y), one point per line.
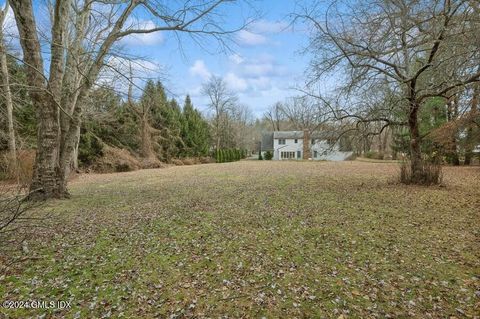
(315, 154)
(281, 141)
(299, 154)
(287, 155)
(296, 141)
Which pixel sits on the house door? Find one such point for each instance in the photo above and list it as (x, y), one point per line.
(299, 154)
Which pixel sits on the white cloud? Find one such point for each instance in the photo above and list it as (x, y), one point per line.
(262, 83)
(147, 39)
(263, 65)
(266, 26)
(235, 82)
(236, 58)
(200, 69)
(249, 38)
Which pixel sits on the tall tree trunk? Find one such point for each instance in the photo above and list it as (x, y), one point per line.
(12, 148)
(46, 171)
(385, 141)
(452, 112)
(217, 128)
(415, 150)
(470, 130)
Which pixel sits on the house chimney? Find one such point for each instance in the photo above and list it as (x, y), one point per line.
(306, 144)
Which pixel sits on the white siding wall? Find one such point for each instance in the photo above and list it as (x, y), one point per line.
(327, 154)
(290, 146)
(322, 148)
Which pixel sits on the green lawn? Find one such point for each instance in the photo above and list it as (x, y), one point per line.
(255, 239)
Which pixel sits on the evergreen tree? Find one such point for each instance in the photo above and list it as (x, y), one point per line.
(195, 131)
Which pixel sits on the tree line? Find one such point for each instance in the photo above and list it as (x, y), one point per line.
(405, 70)
(64, 60)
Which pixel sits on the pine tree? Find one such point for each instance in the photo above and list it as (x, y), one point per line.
(195, 131)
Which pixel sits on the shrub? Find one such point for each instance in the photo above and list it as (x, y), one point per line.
(206, 160)
(89, 149)
(229, 155)
(268, 155)
(222, 156)
(177, 162)
(189, 161)
(369, 154)
(260, 158)
(20, 171)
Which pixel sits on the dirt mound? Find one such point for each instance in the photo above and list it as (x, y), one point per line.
(116, 160)
(151, 163)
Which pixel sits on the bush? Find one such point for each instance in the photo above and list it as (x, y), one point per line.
(260, 158)
(206, 160)
(189, 161)
(20, 171)
(177, 162)
(89, 149)
(221, 156)
(268, 155)
(369, 154)
(430, 174)
(229, 155)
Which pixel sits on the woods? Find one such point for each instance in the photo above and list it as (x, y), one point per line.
(341, 143)
(420, 59)
(59, 95)
(417, 51)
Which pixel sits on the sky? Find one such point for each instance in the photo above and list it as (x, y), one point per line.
(261, 65)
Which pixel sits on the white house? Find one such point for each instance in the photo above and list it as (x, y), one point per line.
(289, 145)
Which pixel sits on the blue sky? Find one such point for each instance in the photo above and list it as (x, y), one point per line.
(262, 65)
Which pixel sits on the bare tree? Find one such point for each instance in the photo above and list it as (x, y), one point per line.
(275, 115)
(407, 42)
(59, 112)
(305, 112)
(472, 126)
(17, 214)
(222, 101)
(12, 148)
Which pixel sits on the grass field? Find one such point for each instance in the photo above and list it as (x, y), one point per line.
(256, 239)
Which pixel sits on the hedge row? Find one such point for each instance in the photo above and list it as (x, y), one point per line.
(230, 155)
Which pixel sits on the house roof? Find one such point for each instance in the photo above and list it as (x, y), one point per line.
(288, 134)
(299, 135)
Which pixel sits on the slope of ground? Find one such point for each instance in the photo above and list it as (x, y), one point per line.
(253, 239)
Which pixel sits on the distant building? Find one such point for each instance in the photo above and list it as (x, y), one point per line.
(297, 145)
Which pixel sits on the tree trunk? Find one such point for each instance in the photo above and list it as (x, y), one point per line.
(452, 112)
(217, 128)
(306, 145)
(75, 151)
(415, 150)
(46, 172)
(470, 130)
(12, 148)
(385, 141)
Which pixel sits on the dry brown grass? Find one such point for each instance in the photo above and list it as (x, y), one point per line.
(256, 238)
